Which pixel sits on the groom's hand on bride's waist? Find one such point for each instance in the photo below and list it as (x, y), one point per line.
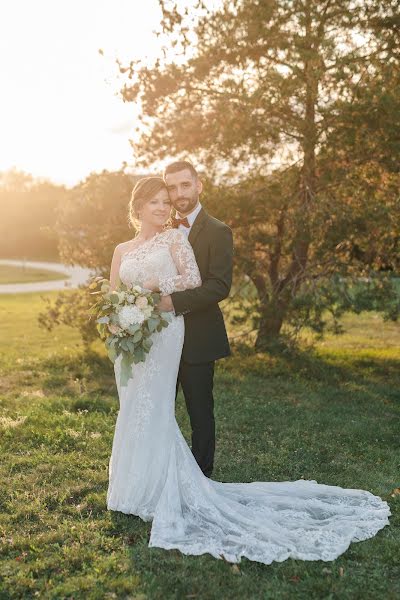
(165, 304)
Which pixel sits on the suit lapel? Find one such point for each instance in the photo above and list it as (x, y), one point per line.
(197, 226)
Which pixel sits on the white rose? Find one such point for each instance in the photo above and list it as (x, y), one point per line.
(130, 315)
(142, 302)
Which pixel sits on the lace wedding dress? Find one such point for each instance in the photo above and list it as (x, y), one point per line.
(153, 474)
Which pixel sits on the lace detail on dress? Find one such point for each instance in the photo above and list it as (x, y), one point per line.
(168, 256)
(182, 253)
(145, 401)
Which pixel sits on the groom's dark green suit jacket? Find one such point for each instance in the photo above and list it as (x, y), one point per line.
(205, 334)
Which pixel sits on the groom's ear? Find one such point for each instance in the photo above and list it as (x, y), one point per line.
(199, 185)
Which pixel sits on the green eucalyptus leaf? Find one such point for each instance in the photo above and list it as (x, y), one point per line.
(114, 319)
(103, 320)
(138, 336)
(152, 323)
(112, 353)
(124, 345)
(140, 355)
(114, 298)
(147, 344)
(133, 328)
(126, 369)
(131, 345)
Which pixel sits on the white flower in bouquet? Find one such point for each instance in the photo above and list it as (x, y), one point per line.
(142, 302)
(130, 298)
(130, 315)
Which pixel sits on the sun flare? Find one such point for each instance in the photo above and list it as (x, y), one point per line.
(61, 116)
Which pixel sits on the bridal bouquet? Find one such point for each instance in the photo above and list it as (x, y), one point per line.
(127, 318)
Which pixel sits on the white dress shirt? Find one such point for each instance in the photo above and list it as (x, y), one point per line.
(191, 218)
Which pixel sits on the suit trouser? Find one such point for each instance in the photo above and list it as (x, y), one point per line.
(197, 383)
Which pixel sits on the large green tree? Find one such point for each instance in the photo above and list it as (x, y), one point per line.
(94, 219)
(260, 91)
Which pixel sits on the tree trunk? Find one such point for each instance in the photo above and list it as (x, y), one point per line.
(268, 332)
(272, 318)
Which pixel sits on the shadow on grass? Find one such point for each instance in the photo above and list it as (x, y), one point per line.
(88, 377)
(81, 374)
(312, 364)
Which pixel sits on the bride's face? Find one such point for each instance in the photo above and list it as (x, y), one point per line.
(156, 211)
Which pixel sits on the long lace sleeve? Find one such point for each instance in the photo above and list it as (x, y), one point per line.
(189, 274)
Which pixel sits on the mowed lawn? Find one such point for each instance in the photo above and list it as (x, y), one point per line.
(17, 274)
(330, 415)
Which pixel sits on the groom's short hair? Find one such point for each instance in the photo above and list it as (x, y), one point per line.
(180, 165)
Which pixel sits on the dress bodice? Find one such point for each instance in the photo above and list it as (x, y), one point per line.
(168, 257)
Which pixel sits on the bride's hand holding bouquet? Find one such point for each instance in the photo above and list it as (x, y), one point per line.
(126, 319)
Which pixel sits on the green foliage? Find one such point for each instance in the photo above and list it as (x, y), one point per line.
(94, 220)
(70, 309)
(249, 72)
(320, 307)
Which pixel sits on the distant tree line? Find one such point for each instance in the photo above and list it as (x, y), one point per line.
(28, 215)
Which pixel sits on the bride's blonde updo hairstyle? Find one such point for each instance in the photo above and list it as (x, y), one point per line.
(144, 190)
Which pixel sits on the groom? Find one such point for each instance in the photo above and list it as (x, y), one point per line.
(205, 333)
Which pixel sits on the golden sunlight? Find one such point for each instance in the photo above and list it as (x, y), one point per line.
(61, 116)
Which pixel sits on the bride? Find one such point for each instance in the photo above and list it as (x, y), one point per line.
(152, 471)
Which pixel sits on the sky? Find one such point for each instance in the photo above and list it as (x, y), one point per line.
(60, 114)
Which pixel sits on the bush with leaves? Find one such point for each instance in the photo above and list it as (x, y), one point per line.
(70, 308)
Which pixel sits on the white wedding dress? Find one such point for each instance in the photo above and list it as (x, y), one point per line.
(153, 474)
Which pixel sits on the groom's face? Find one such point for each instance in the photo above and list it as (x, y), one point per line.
(184, 190)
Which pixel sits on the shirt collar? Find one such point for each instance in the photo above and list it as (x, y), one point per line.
(192, 216)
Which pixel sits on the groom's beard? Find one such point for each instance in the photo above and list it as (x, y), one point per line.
(184, 205)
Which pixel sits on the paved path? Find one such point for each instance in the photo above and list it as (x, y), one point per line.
(77, 275)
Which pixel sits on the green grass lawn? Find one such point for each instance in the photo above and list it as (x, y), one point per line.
(16, 274)
(331, 415)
